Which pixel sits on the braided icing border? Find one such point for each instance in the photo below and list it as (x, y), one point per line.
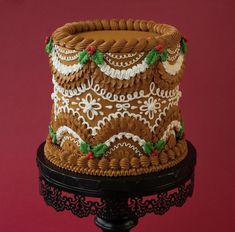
(68, 35)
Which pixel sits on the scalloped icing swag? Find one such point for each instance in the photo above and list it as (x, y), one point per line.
(99, 150)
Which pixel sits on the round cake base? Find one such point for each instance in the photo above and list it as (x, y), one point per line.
(146, 164)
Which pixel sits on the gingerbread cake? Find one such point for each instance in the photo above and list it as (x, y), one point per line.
(115, 101)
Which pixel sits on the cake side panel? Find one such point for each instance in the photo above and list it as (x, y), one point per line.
(120, 117)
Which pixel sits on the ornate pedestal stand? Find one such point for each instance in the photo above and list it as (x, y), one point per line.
(117, 202)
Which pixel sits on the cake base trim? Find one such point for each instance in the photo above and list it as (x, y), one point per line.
(114, 167)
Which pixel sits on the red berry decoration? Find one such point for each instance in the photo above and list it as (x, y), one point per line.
(50, 140)
(159, 48)
(185, 39)
(154, 153)
(90, 155)
(47, 38)
(91, 50)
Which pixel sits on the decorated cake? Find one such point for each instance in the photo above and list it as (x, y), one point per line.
(115, 101)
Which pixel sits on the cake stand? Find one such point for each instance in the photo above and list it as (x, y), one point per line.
(116, 202)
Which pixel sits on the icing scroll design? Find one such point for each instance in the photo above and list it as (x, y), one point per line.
(146, 104)
(154, 90)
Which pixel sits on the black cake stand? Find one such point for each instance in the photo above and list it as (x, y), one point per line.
(117, 202)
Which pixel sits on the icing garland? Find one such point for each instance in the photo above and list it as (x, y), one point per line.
(98, 57)
(99, 150)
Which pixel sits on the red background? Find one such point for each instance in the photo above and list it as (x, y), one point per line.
(207, 103)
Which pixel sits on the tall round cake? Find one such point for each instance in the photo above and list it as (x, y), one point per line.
(115, 100)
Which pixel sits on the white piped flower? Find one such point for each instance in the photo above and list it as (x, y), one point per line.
(150, 107)
(90, 106)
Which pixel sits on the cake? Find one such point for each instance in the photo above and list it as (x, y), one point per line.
(115, 101)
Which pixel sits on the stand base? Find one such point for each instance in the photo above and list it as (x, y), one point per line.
(123, 225)
(122, 199)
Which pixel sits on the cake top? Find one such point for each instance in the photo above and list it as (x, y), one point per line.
(116, 35)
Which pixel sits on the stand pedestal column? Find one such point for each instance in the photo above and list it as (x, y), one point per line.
(116, 216)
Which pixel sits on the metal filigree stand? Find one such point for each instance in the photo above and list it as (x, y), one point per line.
(117, 202)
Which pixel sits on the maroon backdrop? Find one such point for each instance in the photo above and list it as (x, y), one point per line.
(207, 106)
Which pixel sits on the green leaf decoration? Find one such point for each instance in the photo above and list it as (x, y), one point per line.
(163, 55)
(84, 147)
(54, 138)
(99, 150)
(51, 132)
(159, 145)
(183, 45)
(49, 46)
(98, 57)
(148, 148)
(151, 57)
(83, 57)
(180, 133)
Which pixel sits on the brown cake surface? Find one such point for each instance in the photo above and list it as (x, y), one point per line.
(115, 100)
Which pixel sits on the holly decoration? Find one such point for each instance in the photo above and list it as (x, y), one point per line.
(183, 45)
(154, 148)
(52, 135)
(93, 53)
(95, 151)
(180, 133)
(49, 44)
(155, 53)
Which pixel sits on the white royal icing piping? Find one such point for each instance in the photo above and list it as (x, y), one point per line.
(134, 148)
(62, 68)
(173, 69)
(121, 56)
(154, 90)
(67, 137)
(170, 129)
(64, 51)
(77, 139)
(144, 107)
(125, 74)
(172, 52)
(63, 129)
(126, 135)
(124, 64)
